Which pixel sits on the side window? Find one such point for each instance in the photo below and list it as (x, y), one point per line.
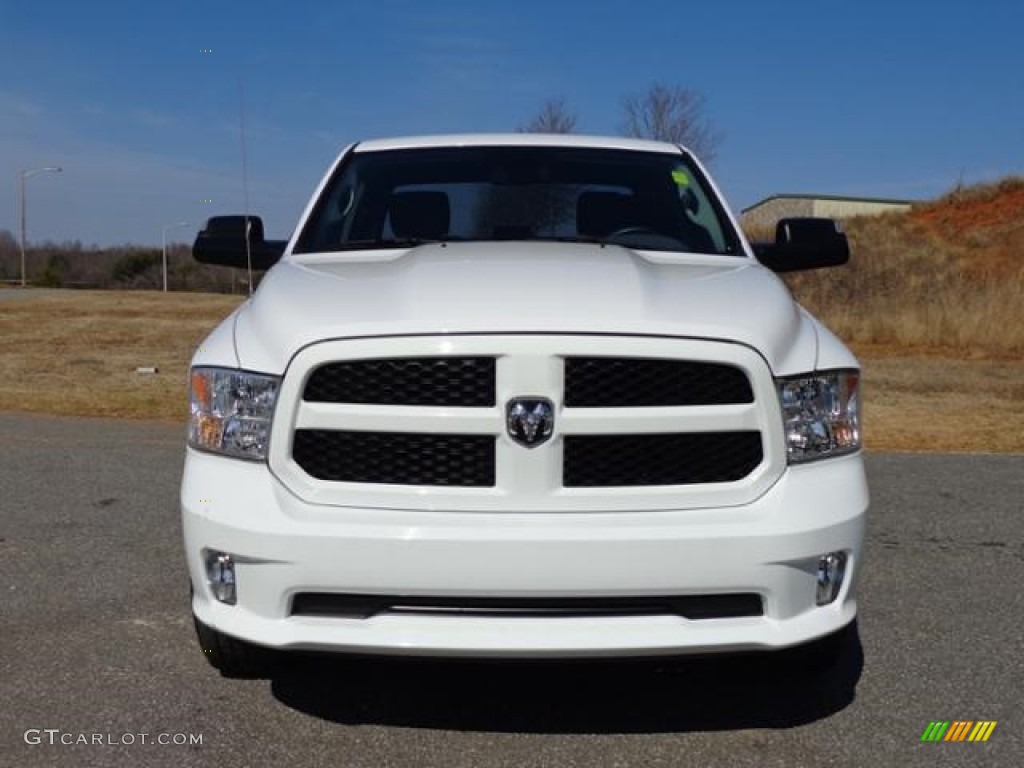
(334, 225)
(697, 207)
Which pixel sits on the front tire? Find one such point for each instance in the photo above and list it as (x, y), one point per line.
(230, 656)
(832, 652)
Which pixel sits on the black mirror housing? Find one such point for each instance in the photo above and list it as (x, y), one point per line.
(804, 243)
(224, 238)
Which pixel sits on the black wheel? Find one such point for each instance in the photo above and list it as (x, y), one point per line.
(829, 653)
(231, 656)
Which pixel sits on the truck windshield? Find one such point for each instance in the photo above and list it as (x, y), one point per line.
(643, 200)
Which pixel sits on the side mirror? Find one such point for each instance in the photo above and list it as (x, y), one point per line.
(807, 243)
(223, 242)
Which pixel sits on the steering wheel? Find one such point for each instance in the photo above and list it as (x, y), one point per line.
(634, 230)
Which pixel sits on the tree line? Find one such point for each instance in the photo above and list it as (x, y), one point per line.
(71, 264)
(668, 113)
(663, 112)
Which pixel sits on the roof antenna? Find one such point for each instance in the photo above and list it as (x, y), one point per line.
(245, 182)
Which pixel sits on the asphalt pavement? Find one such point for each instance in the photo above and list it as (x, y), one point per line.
(96, 644)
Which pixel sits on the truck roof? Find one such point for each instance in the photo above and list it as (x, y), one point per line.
(516, 140)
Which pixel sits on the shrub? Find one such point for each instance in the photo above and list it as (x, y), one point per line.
(136, 269)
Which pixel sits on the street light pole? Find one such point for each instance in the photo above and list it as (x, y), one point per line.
(169, 226)
(22, 175)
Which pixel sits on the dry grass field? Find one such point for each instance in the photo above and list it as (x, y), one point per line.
(76, 353)
(933, 303)
(918, 401)
(947, 277)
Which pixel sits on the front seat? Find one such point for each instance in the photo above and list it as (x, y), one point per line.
(599, 213)
(419, 215)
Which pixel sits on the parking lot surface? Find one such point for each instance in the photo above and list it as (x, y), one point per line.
(96, 644)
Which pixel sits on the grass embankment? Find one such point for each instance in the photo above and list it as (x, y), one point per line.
(933, 303)
(947, 277)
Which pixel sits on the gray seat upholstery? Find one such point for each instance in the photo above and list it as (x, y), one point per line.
(419, 215)
(600, 213)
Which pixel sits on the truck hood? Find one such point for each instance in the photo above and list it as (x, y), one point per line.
(510, 288)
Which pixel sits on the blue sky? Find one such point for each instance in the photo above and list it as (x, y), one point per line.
(872, 98)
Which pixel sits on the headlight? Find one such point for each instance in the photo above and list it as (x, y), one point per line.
(231, 411)
(820, 414)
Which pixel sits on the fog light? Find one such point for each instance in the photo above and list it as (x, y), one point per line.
(220, 572)
(831, 570)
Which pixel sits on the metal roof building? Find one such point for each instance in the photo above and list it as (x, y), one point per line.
(765, 213)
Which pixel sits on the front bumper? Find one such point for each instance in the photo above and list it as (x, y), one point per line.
(283, 546)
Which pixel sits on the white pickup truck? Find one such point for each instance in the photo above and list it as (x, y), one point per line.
(521, 396)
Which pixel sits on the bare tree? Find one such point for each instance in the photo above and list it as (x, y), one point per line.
(554, 117)
(674, 114)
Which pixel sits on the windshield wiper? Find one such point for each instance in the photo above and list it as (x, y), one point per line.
(567, 239)
(382, 243)
(389, 242)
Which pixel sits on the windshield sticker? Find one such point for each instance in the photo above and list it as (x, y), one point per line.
(680, 178)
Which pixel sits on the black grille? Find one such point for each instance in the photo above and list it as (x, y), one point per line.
(396, 458)
(347, 606)
(614, 382)
(662, 459)
(458, 381)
